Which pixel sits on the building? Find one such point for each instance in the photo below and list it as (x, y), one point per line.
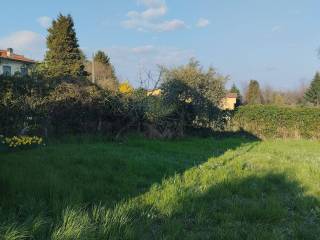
(229, 101)
(155, 92)
(13, 64)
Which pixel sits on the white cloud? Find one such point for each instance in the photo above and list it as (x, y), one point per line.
(202, 23)
(28, 43)
(45, 21)
(168, 26)
(149, 19)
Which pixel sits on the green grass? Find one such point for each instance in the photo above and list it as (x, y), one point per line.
(226, 188)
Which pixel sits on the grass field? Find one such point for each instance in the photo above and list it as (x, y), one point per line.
(227, 188)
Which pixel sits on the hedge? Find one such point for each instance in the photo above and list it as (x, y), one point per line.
(278, 122)
(44, 107)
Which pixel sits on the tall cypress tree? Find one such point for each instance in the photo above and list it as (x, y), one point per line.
(63, 58)
(253, 95)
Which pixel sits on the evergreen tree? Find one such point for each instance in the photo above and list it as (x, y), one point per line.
(63, 58)
(313, 93)
(105, 76)
(236, 90)
(83, 56)
(101, 57)
(253, 95)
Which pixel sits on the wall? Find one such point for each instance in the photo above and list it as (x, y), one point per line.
(15, 65)
(228, 103)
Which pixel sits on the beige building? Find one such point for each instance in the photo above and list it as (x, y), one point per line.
(11, 63)
(229, 102)
(155, 92)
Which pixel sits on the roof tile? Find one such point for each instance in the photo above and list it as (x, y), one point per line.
(15, 57)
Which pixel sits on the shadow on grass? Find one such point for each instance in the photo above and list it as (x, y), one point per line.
(205, 132)
(85, 173)
(267, 207)
(89, 170)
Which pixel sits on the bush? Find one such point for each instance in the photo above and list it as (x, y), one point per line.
(278, 122)
(43, 107)
(28, 106)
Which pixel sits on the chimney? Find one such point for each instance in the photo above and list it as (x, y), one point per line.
(9, 52)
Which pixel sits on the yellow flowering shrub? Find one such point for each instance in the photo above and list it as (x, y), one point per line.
(21, 141)
(125, 88)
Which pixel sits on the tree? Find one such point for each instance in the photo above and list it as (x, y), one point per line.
(101, 57)
(105, 76)
(195, 94)
(253, 95)
(236, 90)
(313, 93)
(63, 58)
(209, 84)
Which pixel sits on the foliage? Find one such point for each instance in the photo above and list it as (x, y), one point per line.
(313, 93)
(253, 94)
(235, 89)
(104, 73)
(102, 57)
(279, 122)
(30, 106)
(209, 84)
(20, 104)
(195, 95)
(294, 97)
(76, 109)
(226, 188)
(63, 58)
(71, 106)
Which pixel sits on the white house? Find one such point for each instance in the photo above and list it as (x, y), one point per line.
(11, 63)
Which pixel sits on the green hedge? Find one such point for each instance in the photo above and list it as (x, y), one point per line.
(278, 122)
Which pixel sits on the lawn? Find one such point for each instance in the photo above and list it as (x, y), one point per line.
(197, 188)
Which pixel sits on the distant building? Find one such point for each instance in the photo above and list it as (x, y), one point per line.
(155, 92)
(229, 101)
(12, 64)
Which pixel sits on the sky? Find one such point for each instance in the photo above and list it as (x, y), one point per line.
(273, 41)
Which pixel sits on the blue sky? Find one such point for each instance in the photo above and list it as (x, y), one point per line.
(273, 41)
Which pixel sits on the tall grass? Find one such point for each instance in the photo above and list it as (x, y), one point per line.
(227, 188)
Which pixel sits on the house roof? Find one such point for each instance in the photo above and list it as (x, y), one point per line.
(15, 57)
(232, 95)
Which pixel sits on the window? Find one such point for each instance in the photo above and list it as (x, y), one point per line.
(24, 71)
(7, 70)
